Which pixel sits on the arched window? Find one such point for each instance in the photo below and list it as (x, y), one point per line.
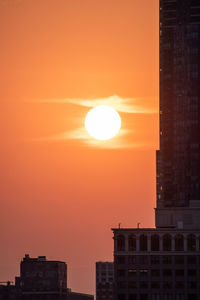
(132, 242)
(143, 242)
(191, 242)
(179, 242)
(167, 242)
(120, 243)
(155, 242)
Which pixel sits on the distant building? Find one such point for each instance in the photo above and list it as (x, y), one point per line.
(42, 279)
(104, 280)
(9, 291)
(78, 296)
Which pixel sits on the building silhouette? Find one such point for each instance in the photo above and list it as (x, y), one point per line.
(9, 291)
(178, 160)
(104, 280)
(163, 263)
(42, 279)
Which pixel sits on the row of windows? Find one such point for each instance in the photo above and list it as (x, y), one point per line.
(155, 242)
(104, 273)
(166, 296)
(110, 279)
(156, 259)
(156, 272)
(104, 293)
(156, 285)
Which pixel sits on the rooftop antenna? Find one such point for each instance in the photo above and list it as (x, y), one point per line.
(138, 225)
(119, 225)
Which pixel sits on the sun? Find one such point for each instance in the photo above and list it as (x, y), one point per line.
(102, 122)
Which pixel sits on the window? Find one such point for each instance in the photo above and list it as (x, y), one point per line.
(156, 297)
(155, 259)
(132, 297)
(192, 272)
(180, 297)
(132, 284)
(179, 272)
(192, 296)
(155, 246)
(167, 242)
(191, 242)
(179, 245)
(167, 260)
(121, 284)
(143, 272)
(121, 297)
(179, 259)
(167, 272)
(132, 243)
(179, 285)
(144, 297)
(192, 285)
(155, 285)
(132, 272)
(143, 242)
(143, 259)
(132, 259)
(191, 259)
(120, 243)
(143, 285)
(167, 285)
(120, 259)
(110, 279)
(121, 272)
(155, 273)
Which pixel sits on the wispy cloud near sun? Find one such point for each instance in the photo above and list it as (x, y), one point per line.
(124, 105)
(121, 105)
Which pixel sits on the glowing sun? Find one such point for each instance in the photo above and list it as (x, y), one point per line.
(102, 122)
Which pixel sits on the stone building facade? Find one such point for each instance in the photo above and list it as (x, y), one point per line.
(156, 264)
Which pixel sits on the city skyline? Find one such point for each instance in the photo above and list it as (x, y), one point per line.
(60, 196)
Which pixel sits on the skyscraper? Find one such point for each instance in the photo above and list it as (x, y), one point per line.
(163, 263)
(178, 160)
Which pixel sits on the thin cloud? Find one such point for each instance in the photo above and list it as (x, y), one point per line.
(124, 105)
(82, 135)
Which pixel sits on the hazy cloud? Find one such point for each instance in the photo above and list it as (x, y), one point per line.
(124, 105)
(82, 135)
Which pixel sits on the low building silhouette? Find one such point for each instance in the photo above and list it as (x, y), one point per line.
(42, 279)
(9, 291)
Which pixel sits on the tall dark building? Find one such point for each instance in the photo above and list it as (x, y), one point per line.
(163, 263)
(178, 160)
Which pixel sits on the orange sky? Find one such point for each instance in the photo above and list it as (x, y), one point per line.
(61, 194)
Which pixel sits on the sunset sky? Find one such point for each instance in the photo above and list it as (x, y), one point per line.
(61, 190)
